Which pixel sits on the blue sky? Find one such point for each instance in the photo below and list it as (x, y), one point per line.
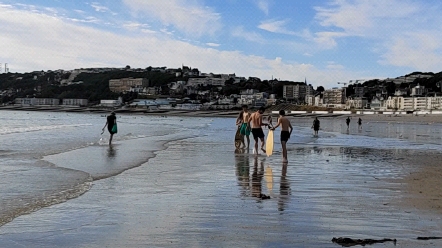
(323, 41)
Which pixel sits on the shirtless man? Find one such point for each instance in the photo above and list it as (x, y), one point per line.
(256, 124)
(243, 120)
(286, 131)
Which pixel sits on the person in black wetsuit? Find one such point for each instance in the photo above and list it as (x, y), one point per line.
(316, 125)
(111, 120)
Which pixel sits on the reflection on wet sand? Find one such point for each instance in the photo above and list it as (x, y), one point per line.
(111, 152)
(257, 175)
(284, 189)
(242, 172)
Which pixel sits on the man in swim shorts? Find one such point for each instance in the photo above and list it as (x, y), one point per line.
(286, 131)
(244, 120)
(257, 132)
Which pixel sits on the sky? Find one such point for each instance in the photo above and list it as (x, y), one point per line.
(322, 42)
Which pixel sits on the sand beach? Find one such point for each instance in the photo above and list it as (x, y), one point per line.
(175, 180)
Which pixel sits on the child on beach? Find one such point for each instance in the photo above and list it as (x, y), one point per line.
(286, 131)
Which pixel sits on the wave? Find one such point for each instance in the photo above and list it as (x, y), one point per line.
(11, 130)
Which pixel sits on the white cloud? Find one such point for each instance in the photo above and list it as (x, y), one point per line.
(403, 33)
(43, 42)
(331, 65)
(249, 36)
(264, 6)
(187, 16)
(101, 8)
(212, 44)
(420, 50)
(276, 26)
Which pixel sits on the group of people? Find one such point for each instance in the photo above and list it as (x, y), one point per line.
(253, 123)
(347, 121)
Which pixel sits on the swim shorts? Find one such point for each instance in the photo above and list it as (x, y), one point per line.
(285, 135)
(257, 133)
(244, 130)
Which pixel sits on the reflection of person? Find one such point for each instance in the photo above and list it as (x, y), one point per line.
(110, 122)
(348, 122)
(258, 133)
(286, 131)
(244, 120)
(243, 173)
(257, 175)
(360, 123)
(284, 188)
(316, 125)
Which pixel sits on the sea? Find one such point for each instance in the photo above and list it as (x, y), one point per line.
(178, 181)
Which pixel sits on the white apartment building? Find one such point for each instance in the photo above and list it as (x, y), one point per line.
(334, 96)
(414, 103)
(297, 92)
(75, 102)
(37, 101)
(418, 91)
(205, 81)
(356, 103)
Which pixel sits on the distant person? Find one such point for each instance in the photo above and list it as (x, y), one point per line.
(244, 120)
(348, 122)
(360, 123)
(257, 132)
(316, 125)
(286, 131)
(111, 120)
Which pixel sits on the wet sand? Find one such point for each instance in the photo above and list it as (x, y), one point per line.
(200, 193)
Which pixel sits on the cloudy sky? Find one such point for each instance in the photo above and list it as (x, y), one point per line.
(323, 41)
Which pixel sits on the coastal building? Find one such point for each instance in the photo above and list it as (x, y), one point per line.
(418, 91)
(75, 102)
(356, 103)
(394, 103)
(126, 84)
(37, 101)
(297, 92)
(334, 97)
(110, 103)
(205, 81)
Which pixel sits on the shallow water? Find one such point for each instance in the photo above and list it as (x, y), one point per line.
(189, 188)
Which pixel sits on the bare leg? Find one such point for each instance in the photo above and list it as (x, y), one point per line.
(284, 151)
(248, 141)
(262, 145)
(110, 139)
(256, 146)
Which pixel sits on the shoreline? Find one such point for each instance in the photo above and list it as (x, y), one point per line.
(366, 118)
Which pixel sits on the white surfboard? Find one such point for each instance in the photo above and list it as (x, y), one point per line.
(269, 144)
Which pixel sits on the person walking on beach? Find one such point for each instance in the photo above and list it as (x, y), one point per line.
(360, 123)
(316, 125)
(111, 120)
(257, 132)
(348, 122)
(244, 120)
(286, 131)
